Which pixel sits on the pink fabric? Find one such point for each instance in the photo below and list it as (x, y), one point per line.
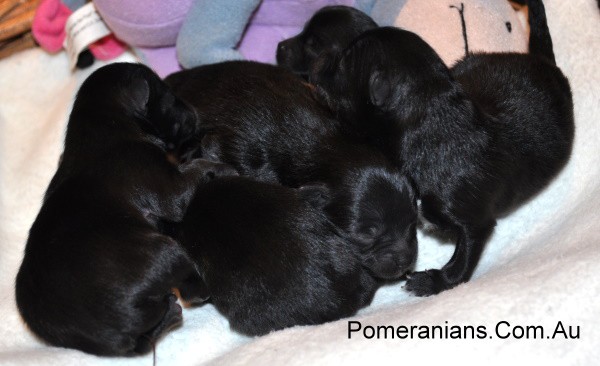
(48, 29)
(107, 48)
(48, 26)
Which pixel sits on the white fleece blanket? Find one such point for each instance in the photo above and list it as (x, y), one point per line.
(541, 267)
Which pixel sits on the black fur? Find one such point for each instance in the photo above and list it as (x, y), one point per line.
(372, 202)
(97, 275)
(270, 257)
(265, 122)
(330, 29)
(477, 140)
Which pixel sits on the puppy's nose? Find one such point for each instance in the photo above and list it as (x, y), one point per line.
(282, 52)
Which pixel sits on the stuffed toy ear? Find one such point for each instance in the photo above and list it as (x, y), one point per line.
(380, 90)
(317, 195)
(212, 30)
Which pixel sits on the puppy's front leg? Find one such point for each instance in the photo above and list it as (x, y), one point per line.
(459, 269)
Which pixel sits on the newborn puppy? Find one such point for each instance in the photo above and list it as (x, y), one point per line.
(331, 29)
(477, 140)
(265, 122)
(270, 257)
(372, 202)
(259, 118)
(97, 274)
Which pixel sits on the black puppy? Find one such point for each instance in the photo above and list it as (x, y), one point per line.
(265, 122)
(477, 140)
(270, 257)
(372, 202)
(97, 275)
(331, 29)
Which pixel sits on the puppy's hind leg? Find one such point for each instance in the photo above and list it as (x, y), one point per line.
(471, 240)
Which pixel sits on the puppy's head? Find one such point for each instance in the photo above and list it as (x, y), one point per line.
(331, 29)
(385, 72)
(143, 101)
(381, 220)
(103, 299)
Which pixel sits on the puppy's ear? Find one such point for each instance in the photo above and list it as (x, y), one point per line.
(139, 94)
(380, 89)
(317, 195)
(323, 68)
(322, 76)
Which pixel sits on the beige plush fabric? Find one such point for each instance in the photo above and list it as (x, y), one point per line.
(541, 266)
(438, 22)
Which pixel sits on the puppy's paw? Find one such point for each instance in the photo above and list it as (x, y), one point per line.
(425, 283)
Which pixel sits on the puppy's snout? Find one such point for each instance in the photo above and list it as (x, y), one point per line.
(282, 53)
(285, 53)
(172, 318)
(391, 265)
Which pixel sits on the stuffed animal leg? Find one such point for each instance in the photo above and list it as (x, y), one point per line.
(211, 31)
(215, 31)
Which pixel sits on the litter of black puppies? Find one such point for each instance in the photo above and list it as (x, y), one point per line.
(265, 122)
(270, 257)
(476, 140)
(97, 274)
(327, 207)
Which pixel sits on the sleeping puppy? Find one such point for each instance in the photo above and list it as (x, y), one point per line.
(477, 140)
(97, 274)
(331, 29)
(265, 122)
(372, 202)
(270, 257)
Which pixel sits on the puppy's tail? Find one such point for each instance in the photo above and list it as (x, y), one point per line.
(540, 42)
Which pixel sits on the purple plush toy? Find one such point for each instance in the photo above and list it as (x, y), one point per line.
(170, 33)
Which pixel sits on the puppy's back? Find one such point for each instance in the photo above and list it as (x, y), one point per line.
(87, 277)
(270, 258)
(265, 119)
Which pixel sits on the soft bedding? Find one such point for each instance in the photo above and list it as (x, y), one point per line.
(541, 267)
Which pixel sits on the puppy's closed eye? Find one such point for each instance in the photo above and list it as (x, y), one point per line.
(371, 232)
